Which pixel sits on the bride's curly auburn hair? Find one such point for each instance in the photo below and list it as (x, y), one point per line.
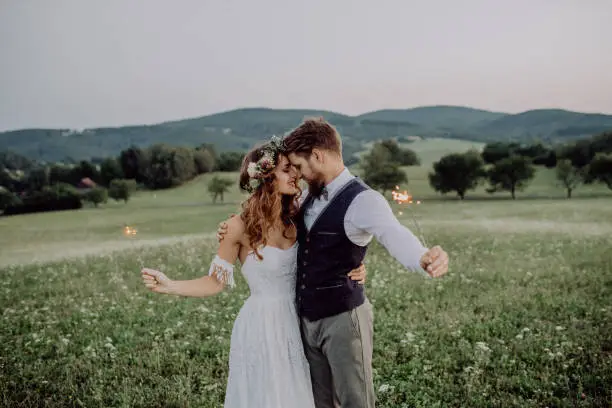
(265, 209)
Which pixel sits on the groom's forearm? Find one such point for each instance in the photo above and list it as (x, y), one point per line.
(371, 213)
(403, 245)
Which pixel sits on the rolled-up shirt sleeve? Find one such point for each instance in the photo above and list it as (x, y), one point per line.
(370, 215)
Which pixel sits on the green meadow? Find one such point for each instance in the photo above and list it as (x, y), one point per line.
(523, 318)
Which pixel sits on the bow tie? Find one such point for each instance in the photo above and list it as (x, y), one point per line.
(325, 194)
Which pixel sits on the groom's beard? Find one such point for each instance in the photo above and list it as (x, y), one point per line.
(315, 187)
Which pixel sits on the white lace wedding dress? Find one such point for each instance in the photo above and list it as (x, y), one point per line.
(267, 365)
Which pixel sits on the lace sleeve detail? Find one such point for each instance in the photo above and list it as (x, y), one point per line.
(222, 270)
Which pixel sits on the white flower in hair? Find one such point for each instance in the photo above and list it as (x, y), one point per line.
(253, 183)
(252, 169)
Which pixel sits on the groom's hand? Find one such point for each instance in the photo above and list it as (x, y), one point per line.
(435, 262)
(222, 229)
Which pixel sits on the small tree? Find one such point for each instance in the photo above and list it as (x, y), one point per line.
(511, 174)
(405, 157)
(600, 169)
(458, 172)
(218, 186)
(380, 171)
(97, 195)
(569, 176)
(120, 190)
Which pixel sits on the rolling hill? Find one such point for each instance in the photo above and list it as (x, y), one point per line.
(241, 128)
(443, 117)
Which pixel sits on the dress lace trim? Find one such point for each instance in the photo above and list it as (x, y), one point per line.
(222, 270)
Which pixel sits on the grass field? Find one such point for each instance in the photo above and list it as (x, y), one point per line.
(523, 319)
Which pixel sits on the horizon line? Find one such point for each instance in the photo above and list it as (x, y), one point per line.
(162, 122)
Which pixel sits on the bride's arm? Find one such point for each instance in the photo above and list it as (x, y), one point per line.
(220, 273)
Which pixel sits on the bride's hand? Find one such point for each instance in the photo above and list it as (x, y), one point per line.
(358, 274)
(156, 281)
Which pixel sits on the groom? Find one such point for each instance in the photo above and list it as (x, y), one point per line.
(338, 218)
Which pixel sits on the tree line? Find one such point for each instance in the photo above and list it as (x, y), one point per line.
(27, 186)
(506, 167)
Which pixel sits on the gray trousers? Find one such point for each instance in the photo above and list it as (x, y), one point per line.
(339, 351)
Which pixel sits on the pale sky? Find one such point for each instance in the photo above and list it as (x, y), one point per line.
(88, 63)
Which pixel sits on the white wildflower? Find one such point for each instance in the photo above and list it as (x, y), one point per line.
(482, 346)
(385, 388)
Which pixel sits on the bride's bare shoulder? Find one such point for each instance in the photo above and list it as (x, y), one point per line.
(235, 226)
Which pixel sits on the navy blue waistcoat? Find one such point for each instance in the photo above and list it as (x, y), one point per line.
(325, 257)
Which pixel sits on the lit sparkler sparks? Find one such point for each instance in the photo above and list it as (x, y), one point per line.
(131, 232)
(405, 198)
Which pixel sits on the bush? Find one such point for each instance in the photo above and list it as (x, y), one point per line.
(121, 189)
(64, 189)
(96, 195)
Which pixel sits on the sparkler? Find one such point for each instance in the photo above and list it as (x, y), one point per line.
(130, 232)
(405, 198)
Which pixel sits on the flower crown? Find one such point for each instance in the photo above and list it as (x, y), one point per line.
(258, 171)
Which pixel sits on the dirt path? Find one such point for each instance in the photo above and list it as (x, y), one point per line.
(57, 251)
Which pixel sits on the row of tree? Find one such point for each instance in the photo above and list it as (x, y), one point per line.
(504, 166)
(30, 185)
(163, 166)
(62, 196)
(510, 166)
(155, 167)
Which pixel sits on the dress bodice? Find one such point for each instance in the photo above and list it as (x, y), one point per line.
(274, 275)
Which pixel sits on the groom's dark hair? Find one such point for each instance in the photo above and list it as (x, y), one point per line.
(313, 133)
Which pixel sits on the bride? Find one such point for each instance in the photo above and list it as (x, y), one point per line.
(267, 365)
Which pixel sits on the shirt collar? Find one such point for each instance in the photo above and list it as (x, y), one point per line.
(337, 183)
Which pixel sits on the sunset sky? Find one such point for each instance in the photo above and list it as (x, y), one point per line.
(83, 63)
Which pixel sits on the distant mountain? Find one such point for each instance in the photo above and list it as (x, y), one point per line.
(436, 117)
(241, 128)
(547, 124)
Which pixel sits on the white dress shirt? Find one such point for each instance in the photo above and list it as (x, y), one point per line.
(370, 215)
